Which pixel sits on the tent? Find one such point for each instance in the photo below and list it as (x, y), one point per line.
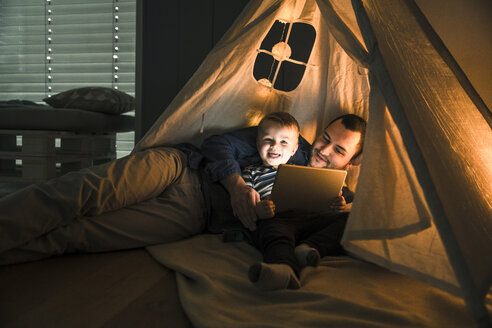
(424, 198)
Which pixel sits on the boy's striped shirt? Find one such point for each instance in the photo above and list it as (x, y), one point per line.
(260, 178)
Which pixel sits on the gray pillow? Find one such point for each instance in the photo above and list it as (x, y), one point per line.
(94, 99)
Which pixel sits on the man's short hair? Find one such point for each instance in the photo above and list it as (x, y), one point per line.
(354, 123)
(282, 118)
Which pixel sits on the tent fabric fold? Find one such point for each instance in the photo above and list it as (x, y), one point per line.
(423, 205)
(451, 150)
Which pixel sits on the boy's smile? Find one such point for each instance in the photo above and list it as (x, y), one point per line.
(276, 143)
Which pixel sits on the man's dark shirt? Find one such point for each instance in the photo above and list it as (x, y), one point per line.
(228, 153)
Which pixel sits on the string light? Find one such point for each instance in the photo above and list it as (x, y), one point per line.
(265, 82)
(116, 48)
(48, 48)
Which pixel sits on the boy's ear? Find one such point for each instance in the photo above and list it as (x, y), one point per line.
(357, 160)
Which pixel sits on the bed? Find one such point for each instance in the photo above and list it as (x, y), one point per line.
(202, 282)
(198, 281)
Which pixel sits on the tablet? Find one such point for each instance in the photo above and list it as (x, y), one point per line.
(305, 188)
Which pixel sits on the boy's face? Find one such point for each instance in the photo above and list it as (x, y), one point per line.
(334, 148)
(276, 143)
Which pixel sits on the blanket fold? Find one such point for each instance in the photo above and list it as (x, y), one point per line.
(342, 292)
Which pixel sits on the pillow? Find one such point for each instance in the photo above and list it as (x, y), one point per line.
(95, 99)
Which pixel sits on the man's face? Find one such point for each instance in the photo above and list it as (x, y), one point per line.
(276, 144)
(335, 147)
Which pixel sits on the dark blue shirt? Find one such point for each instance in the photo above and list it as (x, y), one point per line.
(225, 154)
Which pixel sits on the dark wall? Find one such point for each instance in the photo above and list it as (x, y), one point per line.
(465, 28)
(173, 38)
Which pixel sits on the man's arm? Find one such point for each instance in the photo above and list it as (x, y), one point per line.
(226, 154)
(243, 199)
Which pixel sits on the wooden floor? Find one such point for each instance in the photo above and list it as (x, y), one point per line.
(117, 289)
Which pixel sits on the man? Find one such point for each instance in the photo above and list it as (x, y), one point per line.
(338, 147)
(150, 197)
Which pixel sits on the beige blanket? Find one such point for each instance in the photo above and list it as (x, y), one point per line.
(342, 292)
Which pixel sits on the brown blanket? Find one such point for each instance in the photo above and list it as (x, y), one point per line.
(342, 292)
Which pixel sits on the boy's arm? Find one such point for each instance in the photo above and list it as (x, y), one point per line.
(265, 209)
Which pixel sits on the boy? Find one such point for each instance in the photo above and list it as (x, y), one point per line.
(276, 142)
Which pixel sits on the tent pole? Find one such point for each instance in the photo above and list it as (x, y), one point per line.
(378, 70)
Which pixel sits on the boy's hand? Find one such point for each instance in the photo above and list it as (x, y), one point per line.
(339, 205)
(265, 209)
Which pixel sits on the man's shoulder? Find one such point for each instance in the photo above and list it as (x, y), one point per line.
(301, 156)
(243, 133)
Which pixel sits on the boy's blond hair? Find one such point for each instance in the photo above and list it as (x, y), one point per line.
(282, 118)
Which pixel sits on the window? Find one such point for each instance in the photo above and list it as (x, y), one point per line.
(284, 54)
(51, 46)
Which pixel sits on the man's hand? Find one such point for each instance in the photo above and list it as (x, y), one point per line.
(243, 200)
(339, 205)
(265, 209)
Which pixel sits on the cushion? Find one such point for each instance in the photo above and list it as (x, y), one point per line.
(63, 119)
(94, 99)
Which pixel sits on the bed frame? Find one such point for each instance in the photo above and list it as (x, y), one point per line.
(117, 289)
(38, 143)
(36, 155)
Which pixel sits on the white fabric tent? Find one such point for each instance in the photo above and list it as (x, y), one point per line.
(424, 194)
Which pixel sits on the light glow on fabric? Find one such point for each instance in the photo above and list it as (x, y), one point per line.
(254, 116)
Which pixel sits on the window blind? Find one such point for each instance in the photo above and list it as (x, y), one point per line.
(51, 46)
